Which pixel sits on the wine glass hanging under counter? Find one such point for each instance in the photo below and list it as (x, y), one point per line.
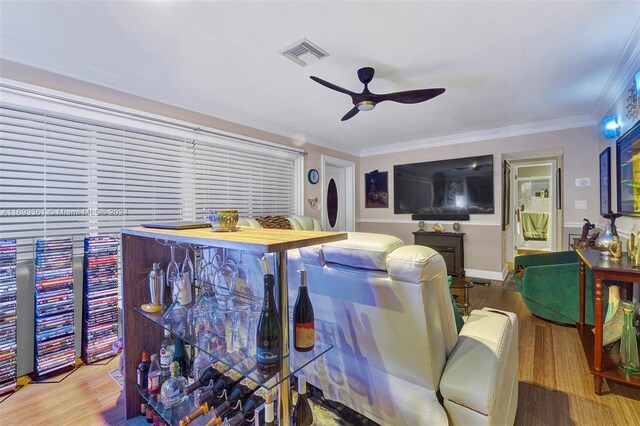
(141, 247)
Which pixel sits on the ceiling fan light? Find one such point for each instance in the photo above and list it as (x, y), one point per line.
(366, 105)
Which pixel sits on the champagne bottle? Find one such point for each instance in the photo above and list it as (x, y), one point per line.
(303, 321)
(302, 415)
(269, 332)
(143, 369)
(180, 356)
(269, 417)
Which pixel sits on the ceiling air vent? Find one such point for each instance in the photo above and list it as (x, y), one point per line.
(304, 52)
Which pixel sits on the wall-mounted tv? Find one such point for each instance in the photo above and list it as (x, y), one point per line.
(457, 186)
(628, 171)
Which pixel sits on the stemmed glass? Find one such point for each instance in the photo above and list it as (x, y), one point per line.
(225, 279)
(172, 268)
(176, 315)
(187, 268)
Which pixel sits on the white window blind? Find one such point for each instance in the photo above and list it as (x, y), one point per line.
(65, 174)
(258, 182)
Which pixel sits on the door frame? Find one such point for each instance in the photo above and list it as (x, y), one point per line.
(350, 178)
(555, 214)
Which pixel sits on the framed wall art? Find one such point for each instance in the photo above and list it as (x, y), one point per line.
(605, 181)
(376, 188)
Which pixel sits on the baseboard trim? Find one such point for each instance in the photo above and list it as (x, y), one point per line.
(489, 275)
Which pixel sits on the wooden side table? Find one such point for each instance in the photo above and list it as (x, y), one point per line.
(602, 365)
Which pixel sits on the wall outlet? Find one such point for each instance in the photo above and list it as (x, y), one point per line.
(583, 182)
(581, 204)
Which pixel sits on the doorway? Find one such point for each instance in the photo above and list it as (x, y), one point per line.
(338, 199)
(534, 207)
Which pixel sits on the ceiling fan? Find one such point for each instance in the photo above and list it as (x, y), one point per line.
(366, 100)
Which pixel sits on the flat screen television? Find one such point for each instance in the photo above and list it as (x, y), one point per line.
(628, 171)
(446, 187)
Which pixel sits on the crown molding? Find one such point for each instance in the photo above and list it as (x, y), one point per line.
(621, 75)
(483, 135)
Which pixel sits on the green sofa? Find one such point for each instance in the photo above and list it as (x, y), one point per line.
(550, 286)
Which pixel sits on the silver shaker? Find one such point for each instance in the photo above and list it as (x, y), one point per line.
(156, 284)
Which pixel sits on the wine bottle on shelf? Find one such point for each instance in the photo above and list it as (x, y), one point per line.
(247, 412)
(302, 414)
(213, 395)
(206, 376)
(269, 417)
(149, 414)
(180, 356)
(143, 369)
(303, 321)
(153, 376)
(239, 393)
(172, 392)
(167, 350)
(269, 332)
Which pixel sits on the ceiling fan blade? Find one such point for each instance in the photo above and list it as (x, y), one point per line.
(332, 86)
(410, 96)
(350, 114)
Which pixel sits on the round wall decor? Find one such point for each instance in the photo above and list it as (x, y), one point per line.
(313, 176)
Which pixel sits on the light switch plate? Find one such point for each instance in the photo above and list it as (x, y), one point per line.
(581, 204)
(583, 182)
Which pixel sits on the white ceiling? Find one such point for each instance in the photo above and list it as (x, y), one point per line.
(503, 64)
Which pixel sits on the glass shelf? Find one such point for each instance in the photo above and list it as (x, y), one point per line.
(245, 365)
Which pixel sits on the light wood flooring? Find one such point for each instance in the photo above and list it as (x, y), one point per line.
(555, 385)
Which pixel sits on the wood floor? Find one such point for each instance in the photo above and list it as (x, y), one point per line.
(555, 385)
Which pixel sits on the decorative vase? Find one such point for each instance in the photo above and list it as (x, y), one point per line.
(629, 362)
(604, 240)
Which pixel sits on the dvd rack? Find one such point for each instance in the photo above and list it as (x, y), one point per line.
(100, 308)
(54, 302)
(8, 316)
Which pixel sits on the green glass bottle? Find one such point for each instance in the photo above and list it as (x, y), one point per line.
(629, 362)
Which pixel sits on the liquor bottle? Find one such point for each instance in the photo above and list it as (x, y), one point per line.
(180, 356)
(167, 350)
(149, 415)
(269, 417)
(153, 376)
(302, 415)
(156, 418)
(269, 332)
(143, 409)
(303, 321)
(143, 369)
(172, 392)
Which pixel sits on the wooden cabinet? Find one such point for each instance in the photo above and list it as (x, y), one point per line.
(143, 246)
(449, 244)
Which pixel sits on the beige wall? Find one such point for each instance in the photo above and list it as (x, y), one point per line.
(25, 74)
(483, 239)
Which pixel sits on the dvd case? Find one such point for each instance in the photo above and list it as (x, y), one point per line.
(53, 300)
(8, 317)
(100, 305)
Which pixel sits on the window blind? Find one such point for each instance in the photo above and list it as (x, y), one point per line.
(69, 175)
(257, 182)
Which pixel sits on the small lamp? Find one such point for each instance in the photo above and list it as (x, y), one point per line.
(611, 127)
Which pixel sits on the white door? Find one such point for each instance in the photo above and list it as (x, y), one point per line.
(335, 198)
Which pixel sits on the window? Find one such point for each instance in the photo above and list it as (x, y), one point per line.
(69, 169)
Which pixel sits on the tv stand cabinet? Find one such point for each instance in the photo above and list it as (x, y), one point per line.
(449, 244)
